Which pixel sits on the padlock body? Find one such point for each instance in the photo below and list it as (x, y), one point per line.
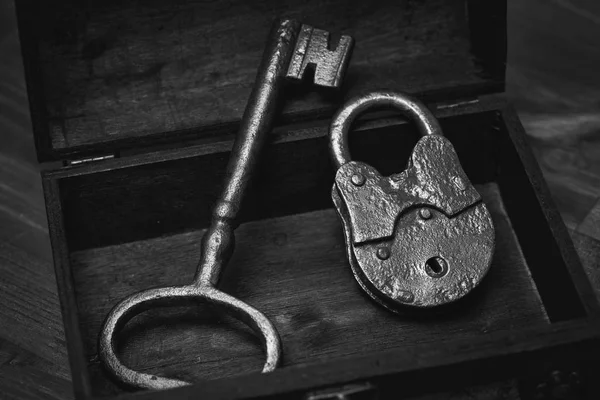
(417, 238)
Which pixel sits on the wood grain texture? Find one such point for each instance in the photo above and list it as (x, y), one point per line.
(111, 70)
(158, 196)
(588, 248)
(481, 138)
(32, 349)
(502, 391)
(33, 357)
(556, 93)
(590, 225)
(302, 257)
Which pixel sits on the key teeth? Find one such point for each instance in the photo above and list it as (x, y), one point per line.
(297, 67)
(312, 49)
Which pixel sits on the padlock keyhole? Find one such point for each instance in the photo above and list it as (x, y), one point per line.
(436, 267)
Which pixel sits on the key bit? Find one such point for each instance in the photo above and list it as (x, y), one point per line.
(312, 50)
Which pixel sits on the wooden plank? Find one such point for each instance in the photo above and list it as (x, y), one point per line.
(190, 179)
(66, 291)
(564, 246)
(558, 105)
(588, 249)
(591, 223)
(130, 71)
(33, 356)
(31, 335)
(457, 363)
(28, 375)
(322, 316)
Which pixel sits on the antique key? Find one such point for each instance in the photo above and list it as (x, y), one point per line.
(290, 49)
(419, 238)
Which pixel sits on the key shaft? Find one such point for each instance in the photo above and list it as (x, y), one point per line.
(291, 47)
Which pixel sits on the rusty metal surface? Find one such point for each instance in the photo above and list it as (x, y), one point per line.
(342, 120)
(312, 49)
(283, 47)
(422, 237)
(433, 178)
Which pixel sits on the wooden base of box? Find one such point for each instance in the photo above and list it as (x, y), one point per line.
(128, 224)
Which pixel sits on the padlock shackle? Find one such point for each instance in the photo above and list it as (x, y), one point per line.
(342, 121)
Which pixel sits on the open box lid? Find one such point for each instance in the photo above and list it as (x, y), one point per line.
(106, 76)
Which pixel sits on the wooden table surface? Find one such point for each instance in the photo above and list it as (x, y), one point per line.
(553, 78)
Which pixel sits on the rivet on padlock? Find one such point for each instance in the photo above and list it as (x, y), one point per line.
(419, 238)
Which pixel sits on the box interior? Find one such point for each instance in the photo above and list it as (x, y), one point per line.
(135, 227)
(106, 75)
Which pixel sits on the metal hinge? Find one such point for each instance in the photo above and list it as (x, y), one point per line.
(360, 391)
(460, 103)
(88, 160)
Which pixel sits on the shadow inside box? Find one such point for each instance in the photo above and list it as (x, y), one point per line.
(311, 297)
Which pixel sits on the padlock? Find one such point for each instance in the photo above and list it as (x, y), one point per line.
(422, 237)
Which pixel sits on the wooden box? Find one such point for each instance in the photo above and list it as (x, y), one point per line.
(135, 106)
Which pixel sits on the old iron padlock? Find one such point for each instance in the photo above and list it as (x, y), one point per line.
(420, 238)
